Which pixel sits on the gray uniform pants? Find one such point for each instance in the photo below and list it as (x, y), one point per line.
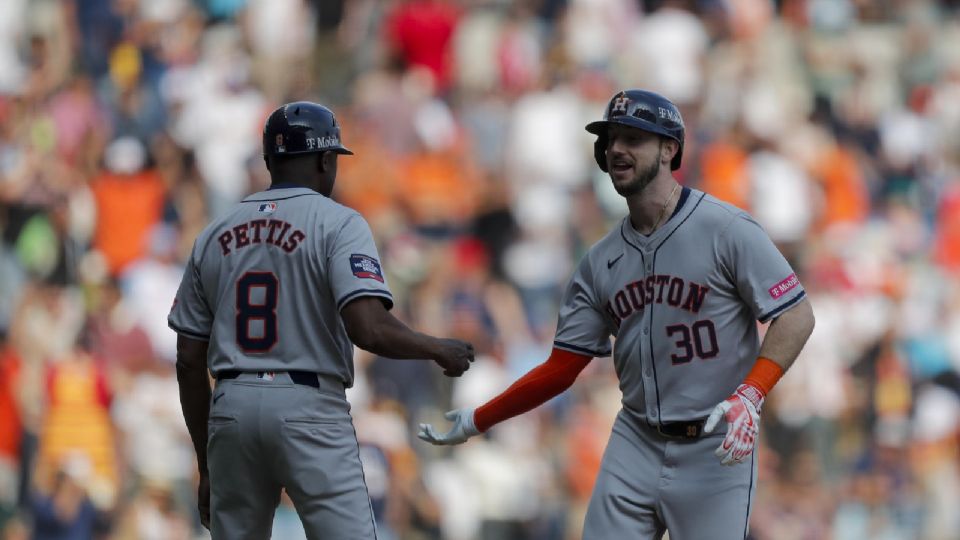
(649, 484)
(265, 435)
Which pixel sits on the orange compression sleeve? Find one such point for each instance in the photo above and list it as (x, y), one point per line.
(541, 383)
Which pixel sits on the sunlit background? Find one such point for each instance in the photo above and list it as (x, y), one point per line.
(126, 125)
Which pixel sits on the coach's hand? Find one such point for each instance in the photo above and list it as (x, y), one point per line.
(454, 356)
(463, 428)
(742, 412)
(203, 500)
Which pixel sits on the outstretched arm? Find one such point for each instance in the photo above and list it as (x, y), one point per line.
(539, 385)
(372, 328)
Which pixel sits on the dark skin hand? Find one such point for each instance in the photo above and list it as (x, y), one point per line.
(203, 500)
(195, 393)
(372, 328)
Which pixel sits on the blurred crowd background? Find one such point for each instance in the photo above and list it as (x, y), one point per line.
(126, 125)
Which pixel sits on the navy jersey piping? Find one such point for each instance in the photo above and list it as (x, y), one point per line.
(653, 268)
(684, 195)
(580, 350)
(188, 333)
(746, 520)
(781, 308)
(664, 241)
(281, 198)
(380, 293)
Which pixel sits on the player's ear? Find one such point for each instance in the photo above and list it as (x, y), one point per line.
(668, 148)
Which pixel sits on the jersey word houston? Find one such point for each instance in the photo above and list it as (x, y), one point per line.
(265, 284)
(682, 303)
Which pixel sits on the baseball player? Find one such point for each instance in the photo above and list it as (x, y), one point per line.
(272, 300)
(680, 283)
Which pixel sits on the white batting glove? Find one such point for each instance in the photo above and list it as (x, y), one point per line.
(463, 428)
(742, 412)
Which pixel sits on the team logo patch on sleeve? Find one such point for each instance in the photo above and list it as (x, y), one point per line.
(784, 286)
(267, 208)
(366, 267)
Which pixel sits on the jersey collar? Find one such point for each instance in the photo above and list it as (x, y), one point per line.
(685, 205)
(286, 191)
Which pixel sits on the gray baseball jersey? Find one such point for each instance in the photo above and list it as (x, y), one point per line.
(683, 304)
(265, 284)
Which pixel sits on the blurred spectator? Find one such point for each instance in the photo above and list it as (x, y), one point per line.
(153, 514)
(11, 430)
(129, 196)
(420, 33)
(148, 285)
(65, 510)
(674, 29)
(77, 422)
(113, 334)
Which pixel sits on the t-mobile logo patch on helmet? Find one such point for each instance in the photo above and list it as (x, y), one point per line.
(323, 142)
(366, 267)
(784, 286)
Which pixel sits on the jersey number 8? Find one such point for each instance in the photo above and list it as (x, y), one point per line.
(257, 311)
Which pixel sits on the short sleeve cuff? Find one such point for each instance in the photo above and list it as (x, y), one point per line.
(582, 350)
(188, 333)
(383, 295)
(775, 312)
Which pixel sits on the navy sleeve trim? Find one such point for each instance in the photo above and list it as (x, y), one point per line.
(188, 333)
(580, 350)
(288, 197)
(366, 292)
(781, 308)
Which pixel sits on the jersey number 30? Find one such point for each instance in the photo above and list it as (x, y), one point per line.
(257, 311)
(699, 339)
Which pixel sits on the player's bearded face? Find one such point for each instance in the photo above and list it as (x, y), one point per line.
(632, 165)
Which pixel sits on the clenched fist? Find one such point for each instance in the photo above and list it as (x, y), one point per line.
(454, 356)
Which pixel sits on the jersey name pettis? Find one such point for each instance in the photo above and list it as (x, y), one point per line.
(261, 231)
(656, 289)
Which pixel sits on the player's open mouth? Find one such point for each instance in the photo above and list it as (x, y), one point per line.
(620, 166)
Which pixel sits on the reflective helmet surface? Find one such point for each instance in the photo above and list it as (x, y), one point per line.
(641, 109)
(302, 127)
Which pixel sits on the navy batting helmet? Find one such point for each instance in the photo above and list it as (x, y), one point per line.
(641, 109)
(302, 127)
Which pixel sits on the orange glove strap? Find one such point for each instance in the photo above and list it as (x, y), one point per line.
(764, 375)
(541, 383)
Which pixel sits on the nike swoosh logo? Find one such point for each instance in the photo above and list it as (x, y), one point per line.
(215, 398)
(612, 262)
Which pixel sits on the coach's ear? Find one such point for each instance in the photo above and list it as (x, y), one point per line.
(327, 162)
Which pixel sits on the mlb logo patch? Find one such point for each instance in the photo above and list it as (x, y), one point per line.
(366, 267)
(267, 208)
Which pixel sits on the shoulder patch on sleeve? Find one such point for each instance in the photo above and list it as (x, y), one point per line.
(365, 267)
(784, 286)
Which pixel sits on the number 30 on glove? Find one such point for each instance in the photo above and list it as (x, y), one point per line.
(742, 413)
